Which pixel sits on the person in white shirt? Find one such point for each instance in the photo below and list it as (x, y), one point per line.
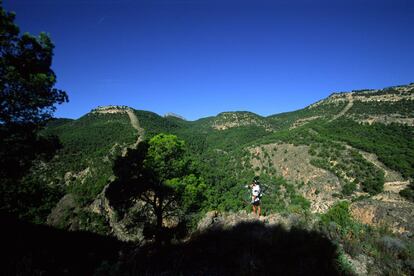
(256, 197)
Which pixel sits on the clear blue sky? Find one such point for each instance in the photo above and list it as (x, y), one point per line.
(201, 57)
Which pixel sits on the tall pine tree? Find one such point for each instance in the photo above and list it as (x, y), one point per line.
(27, 102)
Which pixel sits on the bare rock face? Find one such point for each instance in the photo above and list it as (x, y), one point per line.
(215, 219)
(293, 163)
(360, 263)
(57, 217)
(227, 220)
(128, 226)
(395, 215)
(398, 93)
(82, 175)
(110, 109)
(119, 225)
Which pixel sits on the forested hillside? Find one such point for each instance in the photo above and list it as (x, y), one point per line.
(336, 142)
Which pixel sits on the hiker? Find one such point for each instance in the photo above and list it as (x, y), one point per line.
(256, 194)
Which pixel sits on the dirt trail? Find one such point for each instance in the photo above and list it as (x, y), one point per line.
(135, 124)
(391, 192)
(346, 108)
(394, 182)
(389, 174)
(395, 186)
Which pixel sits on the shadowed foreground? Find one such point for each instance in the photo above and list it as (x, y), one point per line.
(245, 249)
(41, 250)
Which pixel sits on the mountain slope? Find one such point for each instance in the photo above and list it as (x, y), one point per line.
(342, 147)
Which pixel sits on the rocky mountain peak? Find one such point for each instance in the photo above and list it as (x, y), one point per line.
(390, 94)
(110, 109)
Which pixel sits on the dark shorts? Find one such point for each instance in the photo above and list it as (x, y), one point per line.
(256, 203)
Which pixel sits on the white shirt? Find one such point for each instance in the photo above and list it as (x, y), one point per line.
(256, 190)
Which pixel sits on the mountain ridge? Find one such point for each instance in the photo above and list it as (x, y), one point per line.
(334, 96)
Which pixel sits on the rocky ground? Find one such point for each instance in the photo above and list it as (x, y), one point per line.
(293, 163)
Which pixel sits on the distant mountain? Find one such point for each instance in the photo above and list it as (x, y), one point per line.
(173, 115)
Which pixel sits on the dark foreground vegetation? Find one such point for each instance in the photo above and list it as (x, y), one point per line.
(245, 249)
(30, 249)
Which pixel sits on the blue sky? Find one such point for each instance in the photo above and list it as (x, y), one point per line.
(197, 58)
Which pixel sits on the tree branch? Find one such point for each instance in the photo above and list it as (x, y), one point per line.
(145, 198)
(168, 204)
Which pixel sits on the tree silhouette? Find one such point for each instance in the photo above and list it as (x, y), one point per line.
(27, 102)
(159, 173)
(27, 93)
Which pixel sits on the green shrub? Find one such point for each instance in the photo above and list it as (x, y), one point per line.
(348, 188)
(92, 222)
(312, 151)
(300, 201)
(345, 267)
(408, 192)
(338, 214)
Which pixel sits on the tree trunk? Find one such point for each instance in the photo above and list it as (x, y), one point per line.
(158, 214)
